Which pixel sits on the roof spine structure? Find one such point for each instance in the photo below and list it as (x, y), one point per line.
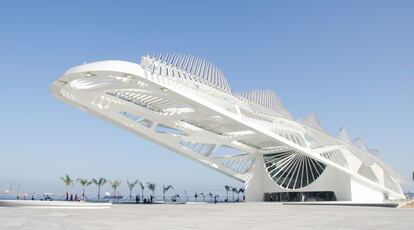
(197, 68)
(267, 99)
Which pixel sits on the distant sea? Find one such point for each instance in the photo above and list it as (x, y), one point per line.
(29, 197)
(7, 197)
(94, 198)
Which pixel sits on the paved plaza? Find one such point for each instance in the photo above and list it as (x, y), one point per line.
(209, 216)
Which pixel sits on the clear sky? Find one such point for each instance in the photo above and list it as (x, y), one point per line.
(350, 62)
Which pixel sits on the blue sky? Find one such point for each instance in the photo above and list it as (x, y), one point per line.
(350, 62)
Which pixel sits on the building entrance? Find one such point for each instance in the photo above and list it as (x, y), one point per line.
(300, 196)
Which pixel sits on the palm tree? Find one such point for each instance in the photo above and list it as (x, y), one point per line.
(233, 190)
(131, 186)
(165, 189)
(84, 183)
(241, 190)
(142, 190)
(99, 183)
(238, 195)
(151, 186)
(68, 182)
(115, 184)
(227, 190)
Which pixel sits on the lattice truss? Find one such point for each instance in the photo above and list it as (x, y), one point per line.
(292, 170)
(185, 104)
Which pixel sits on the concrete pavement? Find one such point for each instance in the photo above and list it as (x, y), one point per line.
(209, 216)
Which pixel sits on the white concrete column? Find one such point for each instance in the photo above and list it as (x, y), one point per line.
(254, 186)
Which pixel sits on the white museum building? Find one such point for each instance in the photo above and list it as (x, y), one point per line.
(185, 104)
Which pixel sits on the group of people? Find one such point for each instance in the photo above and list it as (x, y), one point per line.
(145, 200)
(25, 196)
(71, 197)
(242, 199)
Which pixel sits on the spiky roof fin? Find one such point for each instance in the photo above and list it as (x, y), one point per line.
(312, 121)
(375, 152)
(343, 136)
(359, 143)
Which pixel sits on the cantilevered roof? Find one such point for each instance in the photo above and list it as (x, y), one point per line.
(267, 99)
(164, 100)
(187, 67)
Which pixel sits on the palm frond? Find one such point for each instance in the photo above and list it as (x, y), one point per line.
(67, 180)
(151, 186)
(131, 185)
(101, 181)
(141, 185)
(83, 182)
(115, 183)
(168, 187)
